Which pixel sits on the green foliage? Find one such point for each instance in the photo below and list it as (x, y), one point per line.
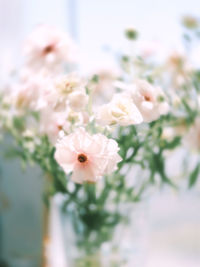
(95, 79)
(194, 176)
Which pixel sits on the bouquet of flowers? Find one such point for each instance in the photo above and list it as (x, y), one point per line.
(102, 139)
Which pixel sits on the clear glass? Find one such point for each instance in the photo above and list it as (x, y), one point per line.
(113, 244)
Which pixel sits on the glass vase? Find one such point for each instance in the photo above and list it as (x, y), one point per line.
(112, 237)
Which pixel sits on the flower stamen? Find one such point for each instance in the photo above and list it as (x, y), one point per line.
(82, 158)
(147, 98)
(48, 49)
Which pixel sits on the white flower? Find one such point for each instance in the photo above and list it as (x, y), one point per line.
(67, 90)
(103, 89)
(150, 100)
(121, 110)
(47, 47)
(55, 123)
(192, 138)
(52, 123)
(69, 83)
(179, 69)
(28, 92)
(78, 100)
(89, 157)
(168, 133)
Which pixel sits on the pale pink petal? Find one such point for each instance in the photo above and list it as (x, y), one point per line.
(100, 155)
(112, 164)
(65, 156)
(95, 146)
(83, 173)
(81, 140)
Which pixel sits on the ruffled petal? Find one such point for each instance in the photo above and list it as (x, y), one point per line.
(83, 172)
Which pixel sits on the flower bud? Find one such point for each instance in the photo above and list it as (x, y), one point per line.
(190, 22)
(131, 34)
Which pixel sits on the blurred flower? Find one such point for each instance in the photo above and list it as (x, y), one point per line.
(121, 110)
(88, 157)
(102, 84)
(27, 94)
(55, 123)
(25, 98)
(47, 47)
(78, 100)
(174, 97)
(190, 22)
(52, 123)
(67, 90)
(150, 100)
(179, 68)
(168, 133)
(67, 84)
(192, 138)
(176, 60)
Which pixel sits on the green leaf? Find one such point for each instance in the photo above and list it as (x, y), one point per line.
(95, 78)
(172, 144)
(194, 176)
(18, 123)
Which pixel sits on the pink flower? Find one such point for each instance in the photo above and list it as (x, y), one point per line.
(192, 138)
(89, 157)
(67, 90)
(28, 92)
(150, 100)
(104, 89)
(47, 47)
(52, 123)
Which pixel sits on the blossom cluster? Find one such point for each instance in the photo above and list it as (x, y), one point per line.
(85, 117)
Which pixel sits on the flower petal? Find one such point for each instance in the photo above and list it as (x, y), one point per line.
(83, 172)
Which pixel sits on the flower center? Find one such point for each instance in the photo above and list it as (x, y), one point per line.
(59, 127)
(147, 98)
(48, 49)
(82, 158)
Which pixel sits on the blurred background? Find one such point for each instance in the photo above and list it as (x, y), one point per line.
(97, 27)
